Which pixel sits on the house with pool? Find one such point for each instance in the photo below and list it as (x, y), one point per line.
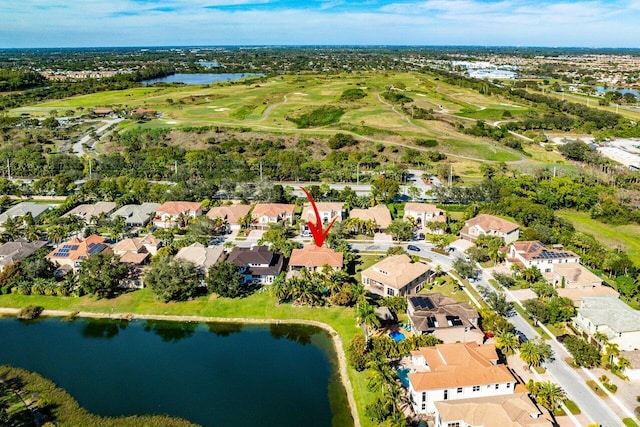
(396, 275)
(448, 372)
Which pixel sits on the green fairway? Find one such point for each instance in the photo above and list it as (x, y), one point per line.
(269, 105)
(623, 237)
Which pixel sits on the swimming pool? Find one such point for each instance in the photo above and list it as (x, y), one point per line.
(396, 335)
(403, 375)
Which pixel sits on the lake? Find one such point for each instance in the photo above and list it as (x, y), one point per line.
(601, 89)
(213, 374)
(199, 78)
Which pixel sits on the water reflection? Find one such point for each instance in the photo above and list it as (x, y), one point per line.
(224, 329)
(103, 328)
(171, 331)
(298, 333)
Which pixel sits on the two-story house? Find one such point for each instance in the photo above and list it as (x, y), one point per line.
(327, 211)
(265, 215)
(491, 226)
(534, 253)
(456, 371)
(176, 214)
(612, 317)
(396, 275)
(257, 264)
(423, 214)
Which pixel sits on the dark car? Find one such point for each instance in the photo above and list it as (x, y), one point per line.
(413, 248)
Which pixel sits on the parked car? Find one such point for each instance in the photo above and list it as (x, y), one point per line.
(413, 248)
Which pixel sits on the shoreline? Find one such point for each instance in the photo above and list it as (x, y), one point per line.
(335, 337)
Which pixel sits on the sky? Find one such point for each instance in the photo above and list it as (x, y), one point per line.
(86, 23)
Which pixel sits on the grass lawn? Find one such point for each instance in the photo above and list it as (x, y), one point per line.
(593, 386)
(623, 237)
(629, 422)
(571, 406)
(257, 306)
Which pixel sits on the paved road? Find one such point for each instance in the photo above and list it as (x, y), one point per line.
(78, 147)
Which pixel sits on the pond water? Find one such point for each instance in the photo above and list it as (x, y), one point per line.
(199, 78)
(601, 89)
(212, 374)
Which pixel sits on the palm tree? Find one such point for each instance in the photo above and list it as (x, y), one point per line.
(381, 376)
(612, 350)
(368, 317)
(281, 288)
(33, 233)
(507, 342)
(56, 233)
(549, 395)
(535, 352)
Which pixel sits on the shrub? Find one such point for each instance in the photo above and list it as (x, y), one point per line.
(322, 116)
(426, 143)
(30, 312)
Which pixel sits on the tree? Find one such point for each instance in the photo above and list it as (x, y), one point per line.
(385, 189)
(531, 274)
(498, 303)
(357, 352)
(172, 280)
(100, 274)
(535, 352)
(507, 342)
(276, 236)
(547, 394)
(400, 229)
(464, 268)
(367, 316)
(224, 280)
(584, 353)
(505, 280)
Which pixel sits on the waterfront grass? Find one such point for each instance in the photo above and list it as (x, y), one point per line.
(625, 238)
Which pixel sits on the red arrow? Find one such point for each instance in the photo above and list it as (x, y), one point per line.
(316, 229)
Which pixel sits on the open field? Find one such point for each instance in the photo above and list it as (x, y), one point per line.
(264, 105)
(623, 237)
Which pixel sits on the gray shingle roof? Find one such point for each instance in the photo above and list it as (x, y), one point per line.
(23, 208)
(610, 311)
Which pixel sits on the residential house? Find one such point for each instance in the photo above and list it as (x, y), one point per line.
(265, 215)
(69, 255)
(633, 371)
(326, 210)
(379, 214)
(509, 410)
(577, 282)
(176, 214)
(201, 256)
(612, 317)
(443, 317)
(534, 253)
(22, 209)
(315, 258)
(90, 213)
(456, 371)
(136, 253)
(491, 226)
(136, 215)
(231, 214)
(18, 250)
(257, 264)
(425, 213)
(396, 275)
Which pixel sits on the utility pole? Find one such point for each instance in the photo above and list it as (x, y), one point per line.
(8, 170)
(260, 170)
(450, 175)
(89, 167)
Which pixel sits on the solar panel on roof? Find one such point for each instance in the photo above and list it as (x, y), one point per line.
(98, 247)
(74, 247)
(66, 246)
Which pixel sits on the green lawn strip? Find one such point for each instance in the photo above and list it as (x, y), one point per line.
(596, 388)
(629, 422)
(623, 237)
(256, 306)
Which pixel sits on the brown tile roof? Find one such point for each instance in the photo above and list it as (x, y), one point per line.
(134, 257)
(459, 365)
(230, 213)
(312, 256)
(396, 271)
(490, 222)
(87, 211)
(379, 213)
(201, 256)
(511, 410)
(422, 207)
(177, 208)
(272, 210)
(128, 245)
(76, 249)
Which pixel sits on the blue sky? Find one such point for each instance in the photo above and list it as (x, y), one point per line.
(77, 23)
